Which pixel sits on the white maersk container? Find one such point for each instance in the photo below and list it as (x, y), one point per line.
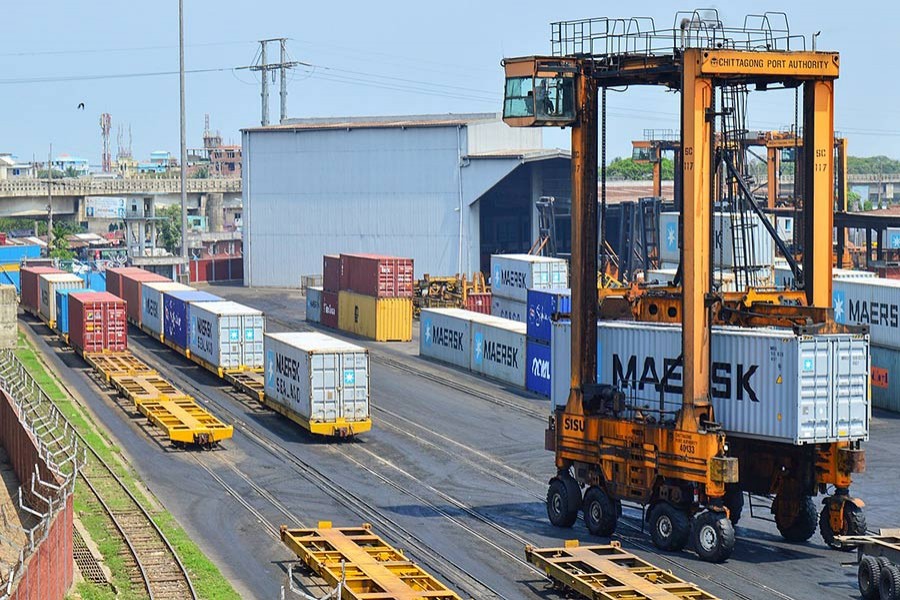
(445, 334)
(512, 275)
(784, 277)
(314, 304)
(892, 238)
(48, 285)
(498, 349)
(152, 303)
(874, 302)
(766, 383)
(227, 335)
(317, 377)
(759, 246)
(506, 308)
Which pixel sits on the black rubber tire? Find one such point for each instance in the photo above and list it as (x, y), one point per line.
(734, 502)
(600, 512)
(889, 583)
(562, 501)
(854, 524)
(868, 576)
(803, 525)
(713, 536)
(670, 527)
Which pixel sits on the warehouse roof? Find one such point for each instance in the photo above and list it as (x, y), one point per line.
(378, 122)
(525, 155)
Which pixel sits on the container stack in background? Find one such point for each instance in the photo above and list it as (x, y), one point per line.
(11, 258)
(544, 307)
(368, 295)
(512, 275)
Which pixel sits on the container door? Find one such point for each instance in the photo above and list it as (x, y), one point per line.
(253, 341)
(541, 273)
(230, 341)
(850, 368)
(354, 386)
(815, 411)
(325, 383)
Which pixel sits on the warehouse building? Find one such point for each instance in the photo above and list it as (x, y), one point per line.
(446, 190)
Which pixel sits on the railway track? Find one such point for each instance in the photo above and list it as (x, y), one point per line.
(157, 567)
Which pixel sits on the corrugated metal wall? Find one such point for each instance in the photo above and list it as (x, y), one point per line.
(391, 191)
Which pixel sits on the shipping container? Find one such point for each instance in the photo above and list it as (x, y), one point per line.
(176, 314)
(784, 277)
(892, 238)
(114, 279)
(506, 308)
(97, 322)
(227, 335)
(131, 291)
(480, 302)
(445, 334)
(886, 378)
(379, 319)
(512, 275)
(873, 302)
(757, 250)
(543, 307)
(331, 273)
(537, 377)
(62, 310)
(376, 275)
(94, 280)
(16, 254)
(316, 379)
(766, 383)
(723, 280)
(498, 349)
(784, 226)
(330, 309)
(152, 304)
(30, 287)
(48, 284)
(314, 304)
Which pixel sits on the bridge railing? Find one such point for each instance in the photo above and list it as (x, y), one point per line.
(21, 186)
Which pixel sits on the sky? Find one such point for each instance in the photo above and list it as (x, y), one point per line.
(366, 58)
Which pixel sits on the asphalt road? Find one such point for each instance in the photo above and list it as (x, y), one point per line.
(455, 478)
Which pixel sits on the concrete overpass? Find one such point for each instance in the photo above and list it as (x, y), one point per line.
(23, 197)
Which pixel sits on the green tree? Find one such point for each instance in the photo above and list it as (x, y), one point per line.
(872, 165)
(169, 227)
(59, 245)
(201, 173)
(628, 169)
(57, 174)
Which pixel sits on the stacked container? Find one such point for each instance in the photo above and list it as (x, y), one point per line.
(62, 310)
(227, 335)
(331, 285)
(30, 286)
(176, 314)
(375, 298)
(480, 302)
(152, 304)
(512, 275)
(48, 284)
(114, 279)
(97, 322)
(314, 378)
(131, 282)
(314, 304)
(544, 307)
(760, 247)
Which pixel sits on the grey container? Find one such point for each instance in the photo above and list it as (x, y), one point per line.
(512, 275)
(227, 335)
(445, 334)
(506, 308)
(873, 302)
(314, 304)
(784, 277)
(886, 378)
(759, 250)
(498, 349)
(766, 383)
(317, 377)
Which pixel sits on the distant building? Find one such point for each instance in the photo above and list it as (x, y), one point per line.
(6, 165)
(78, 167)
(215, 159)
(446, 190)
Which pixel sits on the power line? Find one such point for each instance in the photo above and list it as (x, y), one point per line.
(62, 78)
(121, 49)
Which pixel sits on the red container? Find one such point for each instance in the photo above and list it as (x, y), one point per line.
(131, 291)
(29, 283)
(114, 279)
(97, 322)
(330, 309)
(480, 303)
(376, 275)
(331, 273)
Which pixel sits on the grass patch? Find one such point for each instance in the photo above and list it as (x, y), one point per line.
(207, 579)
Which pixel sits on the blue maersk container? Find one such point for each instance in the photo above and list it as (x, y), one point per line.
(176, 316)
(543, 305)
(537, 369)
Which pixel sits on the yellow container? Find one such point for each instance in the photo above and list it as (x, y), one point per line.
(379, 319)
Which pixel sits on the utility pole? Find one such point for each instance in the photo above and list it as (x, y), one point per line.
(264, 68)
(184, 249)
(50, 200)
